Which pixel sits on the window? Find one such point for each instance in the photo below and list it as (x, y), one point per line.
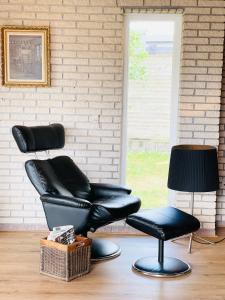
(152, 56)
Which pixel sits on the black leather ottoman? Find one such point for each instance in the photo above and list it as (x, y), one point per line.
(164, 224)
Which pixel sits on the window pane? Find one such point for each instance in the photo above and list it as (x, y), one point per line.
(149, 105)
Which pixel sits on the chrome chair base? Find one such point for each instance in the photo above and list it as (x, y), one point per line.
(103, 250)
(170, 267)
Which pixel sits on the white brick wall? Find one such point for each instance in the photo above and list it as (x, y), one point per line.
(221, 194)
(86, 92)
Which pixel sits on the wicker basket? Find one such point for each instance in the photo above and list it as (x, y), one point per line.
(65, 262)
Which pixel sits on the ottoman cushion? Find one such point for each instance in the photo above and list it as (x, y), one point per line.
(164, 223)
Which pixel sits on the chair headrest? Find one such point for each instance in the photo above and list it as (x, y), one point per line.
(39, 138)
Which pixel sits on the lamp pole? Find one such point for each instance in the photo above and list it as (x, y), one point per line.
(192, 212)
(192, 234)
(192, 203)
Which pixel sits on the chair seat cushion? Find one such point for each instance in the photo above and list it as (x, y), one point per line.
(164, 223)
(110, 209)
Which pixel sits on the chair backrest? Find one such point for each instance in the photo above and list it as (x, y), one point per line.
(56, 176)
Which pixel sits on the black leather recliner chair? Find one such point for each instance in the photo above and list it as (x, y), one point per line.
(66, 193)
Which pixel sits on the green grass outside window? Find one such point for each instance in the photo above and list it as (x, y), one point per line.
(147, 177)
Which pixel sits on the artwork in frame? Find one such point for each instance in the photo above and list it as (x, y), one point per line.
(25, 56)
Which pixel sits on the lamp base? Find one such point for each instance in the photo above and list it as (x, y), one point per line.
(192, 237)
(205, 241)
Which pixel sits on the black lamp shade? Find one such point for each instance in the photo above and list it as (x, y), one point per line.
(193, 168)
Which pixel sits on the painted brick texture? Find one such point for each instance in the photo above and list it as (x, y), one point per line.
(221, 194)
(87, 87)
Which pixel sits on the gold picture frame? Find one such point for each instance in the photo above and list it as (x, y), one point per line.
(25, 56)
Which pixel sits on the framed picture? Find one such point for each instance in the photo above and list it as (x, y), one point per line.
(25, 56)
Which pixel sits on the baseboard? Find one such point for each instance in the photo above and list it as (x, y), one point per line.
(129, 230)
(119, 228)
(23, 227)
(220, 230)
(207, 232)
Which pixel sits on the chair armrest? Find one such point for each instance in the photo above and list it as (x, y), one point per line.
(66, 201)
(99, 190)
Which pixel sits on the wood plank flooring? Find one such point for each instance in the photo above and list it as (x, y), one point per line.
(114, 279)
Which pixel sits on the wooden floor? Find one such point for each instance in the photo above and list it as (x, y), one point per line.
(111, 280)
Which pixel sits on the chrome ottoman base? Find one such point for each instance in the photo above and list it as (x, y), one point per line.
(164, 224)
(161, 266)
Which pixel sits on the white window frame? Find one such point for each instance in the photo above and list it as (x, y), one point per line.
(177, 19)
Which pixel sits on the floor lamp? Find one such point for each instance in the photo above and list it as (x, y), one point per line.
(194, 169)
